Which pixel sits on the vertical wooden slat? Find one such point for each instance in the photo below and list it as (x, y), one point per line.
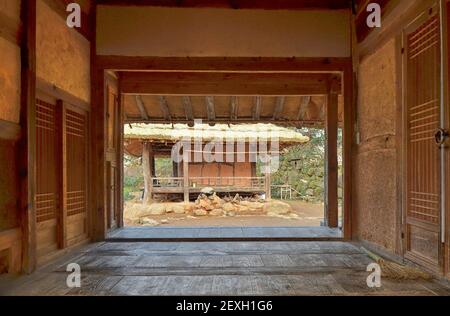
(146, 166)
(120, 151)
(27, 144)
(331, 159)
(186, 154)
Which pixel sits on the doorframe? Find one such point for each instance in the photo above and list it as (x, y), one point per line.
(344, 66)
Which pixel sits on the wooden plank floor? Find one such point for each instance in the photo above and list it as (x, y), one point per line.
(215, 268)
(242, 233)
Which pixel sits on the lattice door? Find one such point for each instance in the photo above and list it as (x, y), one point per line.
(423, 156)
(47, 183)
(76, 171)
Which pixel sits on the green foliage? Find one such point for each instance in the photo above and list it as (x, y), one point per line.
(308, 179)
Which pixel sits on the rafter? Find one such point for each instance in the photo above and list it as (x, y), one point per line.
(210, 108)
(187, 104)
(164, 106)
(141, 106)
(234, 106)
(279, 108)
(257, 108)
(304, 101)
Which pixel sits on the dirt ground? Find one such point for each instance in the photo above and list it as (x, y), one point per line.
(309, 215)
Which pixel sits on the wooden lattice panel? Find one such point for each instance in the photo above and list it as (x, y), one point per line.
(46, 162)
(424, 119)
(76, 137)
(423, 209)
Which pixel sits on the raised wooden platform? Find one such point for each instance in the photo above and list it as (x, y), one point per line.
(215, 268)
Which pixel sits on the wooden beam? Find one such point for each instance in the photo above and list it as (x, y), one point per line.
(238, 4)
(210, 109)
(303, 107)
(221, 120)
(256, 112)
(234, 108)
(27, 143)
(204, 83)
(331, 161)
(141, 107)
(164, 106)
(10, 29)
(223, 64)
(9, 131)
(187, 104)
(58, 93)
(279, 106)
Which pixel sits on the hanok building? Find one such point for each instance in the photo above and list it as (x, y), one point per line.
(65, 95)
(221, 157)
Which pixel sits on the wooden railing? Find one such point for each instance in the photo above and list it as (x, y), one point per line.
(174, 182)
(257, 183)
(239, 182)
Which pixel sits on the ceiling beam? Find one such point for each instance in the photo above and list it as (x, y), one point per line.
(226, 84)
(210, 108)
(187, 104)
(238, 4)
(257, 108)
(234, 108)
(164, 106)
(141, 106)
(279, 107)
(303, 106)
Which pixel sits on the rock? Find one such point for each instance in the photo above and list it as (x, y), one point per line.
(149, 222)
(157, 209)
(216, 212)
(164, 221)
(178, 209)
(207, 191)
(228, 207)
(231, 214)
(277, 207)
(200, 212)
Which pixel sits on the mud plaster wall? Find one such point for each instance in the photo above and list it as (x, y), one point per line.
(8, 186)
(375, 186)
(10, 67)
(63, 55)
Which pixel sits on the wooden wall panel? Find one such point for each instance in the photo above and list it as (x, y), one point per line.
(423, 191)
(47, 182)
(75, 157)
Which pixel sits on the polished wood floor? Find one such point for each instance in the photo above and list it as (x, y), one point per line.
(214, 268)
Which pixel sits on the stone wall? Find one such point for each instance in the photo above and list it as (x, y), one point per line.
(375, 200)
(63, 55)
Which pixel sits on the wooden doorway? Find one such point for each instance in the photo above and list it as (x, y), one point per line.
(422, 112)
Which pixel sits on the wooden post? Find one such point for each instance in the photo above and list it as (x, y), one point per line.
(27, 143)
(268, 176)
(186, 154)
(331, 159)
(147, 156)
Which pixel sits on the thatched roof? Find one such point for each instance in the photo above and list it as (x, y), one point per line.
(165, 132)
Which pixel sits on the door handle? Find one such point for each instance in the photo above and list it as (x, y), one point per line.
(441, 136)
